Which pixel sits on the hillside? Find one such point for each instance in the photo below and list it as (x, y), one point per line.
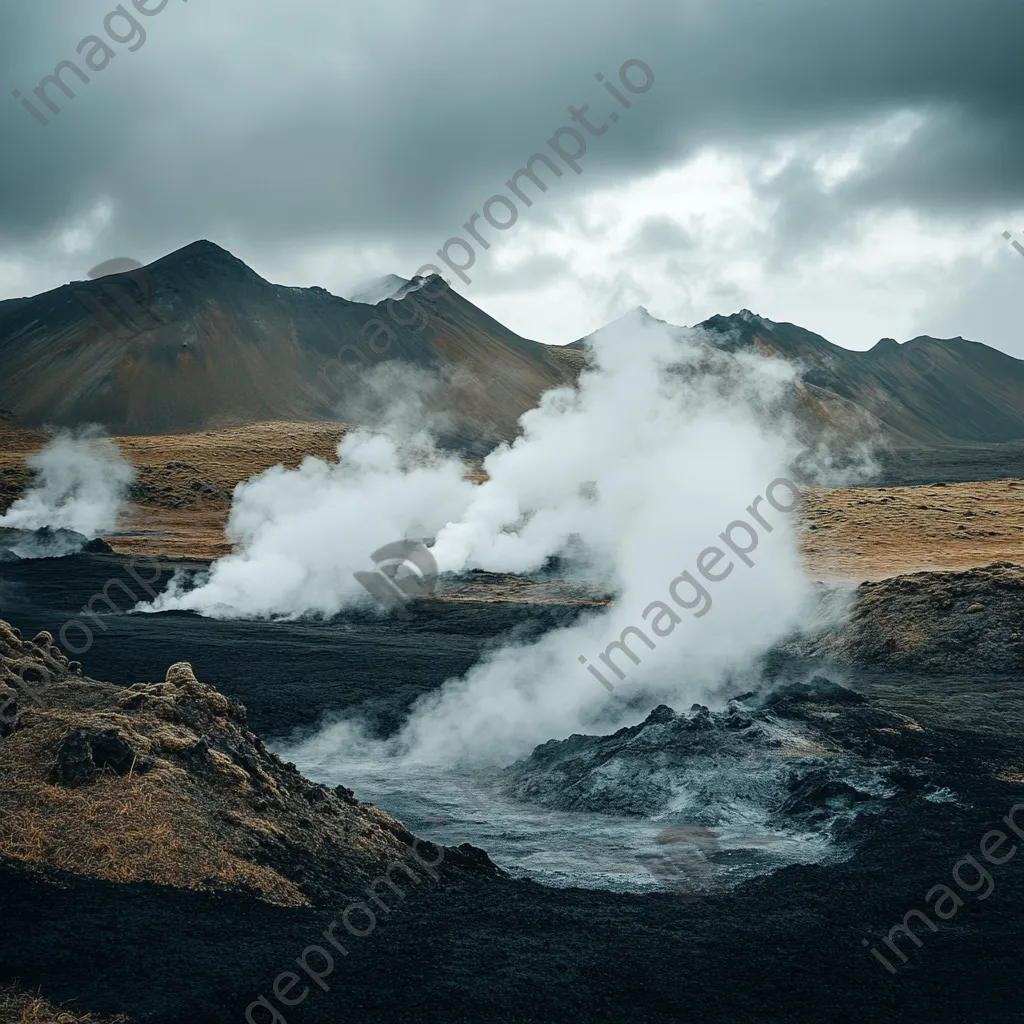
(165, 783)
(198, 340)
(924, 392)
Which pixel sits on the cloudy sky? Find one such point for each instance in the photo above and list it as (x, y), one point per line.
(847, 165)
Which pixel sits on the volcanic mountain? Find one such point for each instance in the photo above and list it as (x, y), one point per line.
(926, 391)
(198, 339)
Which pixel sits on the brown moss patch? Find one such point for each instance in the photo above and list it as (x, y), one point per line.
(192, 799)
(141, 828)
(18, 1007)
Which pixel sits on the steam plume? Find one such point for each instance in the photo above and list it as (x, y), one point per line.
(299, 535)
(665, 442)
(81, 481)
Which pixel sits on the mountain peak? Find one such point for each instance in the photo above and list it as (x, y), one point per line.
(744, 318)
(378, 289)
(206, 259)
(638, 314)
(391, 286)
(202, 248)
(754, 318)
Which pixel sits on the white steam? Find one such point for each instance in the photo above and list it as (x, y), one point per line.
(663, 445)
(81, 481)
(299, 535)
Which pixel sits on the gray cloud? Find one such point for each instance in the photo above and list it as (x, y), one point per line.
(273, 125)
(659, 235)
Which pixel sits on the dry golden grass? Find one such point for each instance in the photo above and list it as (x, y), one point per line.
(185, 533)
(224, 457)
(17, 1007)
(860, 533)
(184, 482)
(868, 533)
(129, 831)
(138, 828)
(194, 800)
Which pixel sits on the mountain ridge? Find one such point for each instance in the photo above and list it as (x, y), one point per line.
(924, 391)
(198, 340)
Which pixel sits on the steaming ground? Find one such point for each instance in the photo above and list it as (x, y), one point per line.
(371, 669)
(582, 812)
(564, 848)
(80, 482)
(646, 476)
(661, 448)
(559, 951)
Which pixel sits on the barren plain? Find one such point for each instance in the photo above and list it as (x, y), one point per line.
(182, 496)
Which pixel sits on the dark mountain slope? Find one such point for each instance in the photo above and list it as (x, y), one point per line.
(926, 391)
(930, 390)
(197, 339)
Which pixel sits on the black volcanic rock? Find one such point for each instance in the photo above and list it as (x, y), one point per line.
(83, 752)
(48, 542)
(934, 622)
(97, 546)
(805, 753)
(783, 949)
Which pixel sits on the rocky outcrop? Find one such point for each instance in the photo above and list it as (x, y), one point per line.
(84, 752)
(48, 542)
(804, 756)
(936, 622)
(164, 782)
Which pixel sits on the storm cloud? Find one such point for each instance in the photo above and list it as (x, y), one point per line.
(323, 143)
